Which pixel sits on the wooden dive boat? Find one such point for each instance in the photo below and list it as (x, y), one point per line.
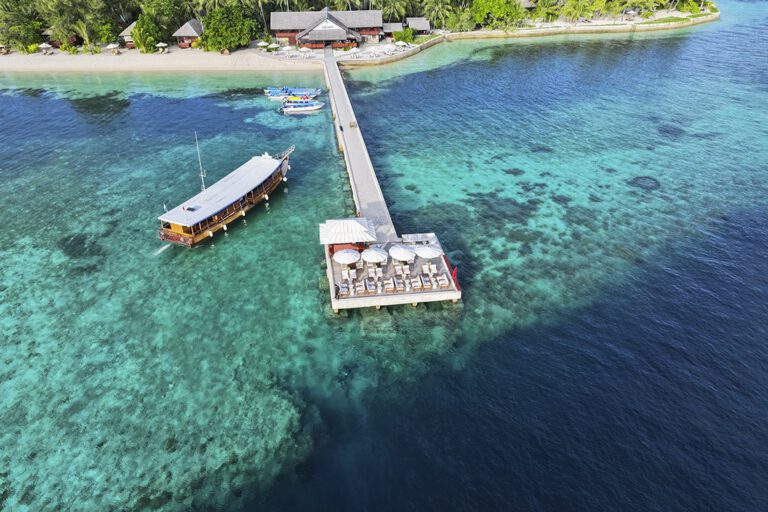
(199, 217)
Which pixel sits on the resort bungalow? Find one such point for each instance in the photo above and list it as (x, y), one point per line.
(125, 35)
(419, 25)
(317, 29)
(390, 28)
(188, 33)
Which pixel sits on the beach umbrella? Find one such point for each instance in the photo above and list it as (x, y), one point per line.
(428, 251)
(401, 43)
(112, 46)
(287, 48)
(161, 45)
(273, 45)
(262, 44)
(346, 256)
(305, 49)
(45, 46)
(375, 255)
(401, 252)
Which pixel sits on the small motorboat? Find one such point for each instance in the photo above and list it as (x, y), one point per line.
(282, 93)
(301, 106)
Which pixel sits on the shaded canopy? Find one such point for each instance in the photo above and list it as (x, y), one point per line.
(347, 231)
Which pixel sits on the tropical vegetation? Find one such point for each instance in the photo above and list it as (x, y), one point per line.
(233, 23)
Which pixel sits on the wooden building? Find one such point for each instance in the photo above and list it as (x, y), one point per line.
(189, 33)
(125, 35)
(320, 28)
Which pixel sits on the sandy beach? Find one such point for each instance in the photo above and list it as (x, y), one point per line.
(176, 59)
(254, 59)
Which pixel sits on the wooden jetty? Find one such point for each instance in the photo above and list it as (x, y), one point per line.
(411, 280)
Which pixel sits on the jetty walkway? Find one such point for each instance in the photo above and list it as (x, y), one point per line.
(366, 192)
(422, 274)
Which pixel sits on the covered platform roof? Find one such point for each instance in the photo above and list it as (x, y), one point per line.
(347, 231)
(224, 192)
(420, 24)
(392, 27)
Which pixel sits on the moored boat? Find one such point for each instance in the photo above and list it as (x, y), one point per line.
(301, 106)
(214, 207)
(281, 93)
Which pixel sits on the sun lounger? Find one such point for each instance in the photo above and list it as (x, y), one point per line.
(425, 269)
(406, 270)
(359, 287)
(427, 281)
(371, 272)
(345, 274)
(343, 290)
(379, 272)
(432, 268)
(416, 283)
(389, 285)
(352, 273)
(399, 284)
(398, 269)
(442, 281)
(370, 286)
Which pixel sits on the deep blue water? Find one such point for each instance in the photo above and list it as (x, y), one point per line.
(642, 382)
(653, 398)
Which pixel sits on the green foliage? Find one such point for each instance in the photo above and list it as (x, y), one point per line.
(547, 10)
(146, 33)
(690, 6)
(670, 19)
(394, 9)
(69, 48)
(105, 32)
(228, 28)
(460, 20)
(168, 15)
(437, 12)
(576, 9)
(406, 35)
(33, 48)
(495, 14)
(20, 25)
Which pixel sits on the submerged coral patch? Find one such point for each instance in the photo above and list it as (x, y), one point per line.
(645, 182)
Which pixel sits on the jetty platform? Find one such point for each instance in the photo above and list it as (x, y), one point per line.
(360, 284)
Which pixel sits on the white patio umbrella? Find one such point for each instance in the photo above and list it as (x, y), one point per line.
(401, 43)
(112, 46)
(45, 46)
(287, 48)
(305, 49)
(428, 251)
(375, 255)
(346, 256)
(262, 44)
(401, 252)
(273, 45)
(161, 45)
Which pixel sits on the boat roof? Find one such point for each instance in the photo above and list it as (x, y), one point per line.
(224, 192)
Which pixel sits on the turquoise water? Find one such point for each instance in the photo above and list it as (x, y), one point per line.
(138, 377)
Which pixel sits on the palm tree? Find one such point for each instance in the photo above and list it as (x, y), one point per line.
(437, 11)
(394, 9)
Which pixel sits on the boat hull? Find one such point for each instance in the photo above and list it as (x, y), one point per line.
(246, 203)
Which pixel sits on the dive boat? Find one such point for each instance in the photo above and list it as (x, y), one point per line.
(214, 207)
(281, 93)
(301, 106)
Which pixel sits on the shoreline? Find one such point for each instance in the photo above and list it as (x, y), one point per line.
(254, 60)
(571, 29)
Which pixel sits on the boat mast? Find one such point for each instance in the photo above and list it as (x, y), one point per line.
(200, 161)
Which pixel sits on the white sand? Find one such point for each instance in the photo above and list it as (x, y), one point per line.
(188, 59)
